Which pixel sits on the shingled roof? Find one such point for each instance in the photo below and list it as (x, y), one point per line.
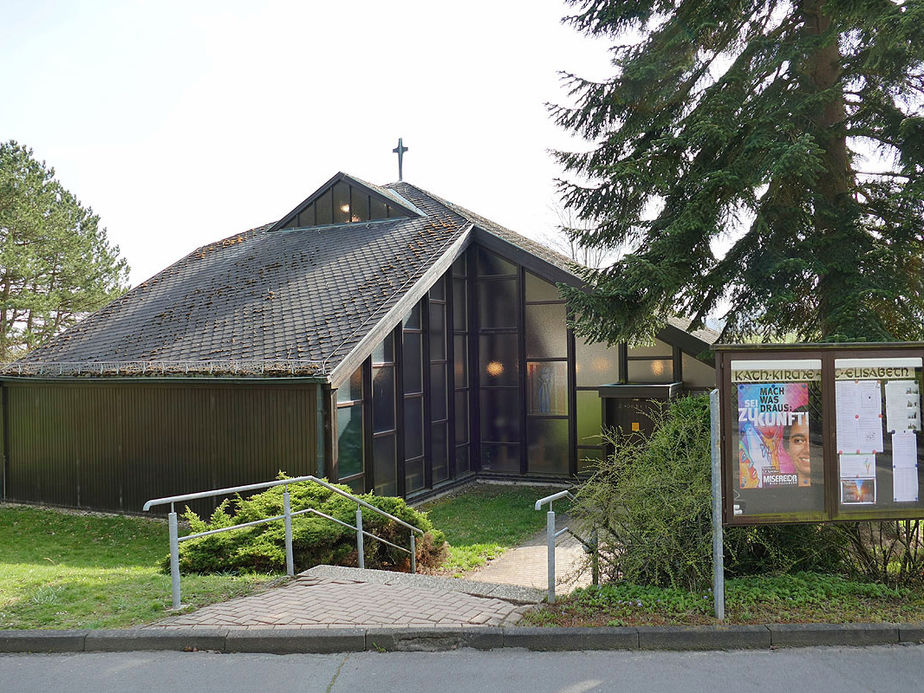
(269, 302)
(306, 302)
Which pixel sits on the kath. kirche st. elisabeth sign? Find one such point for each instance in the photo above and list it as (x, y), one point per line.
(820, 432)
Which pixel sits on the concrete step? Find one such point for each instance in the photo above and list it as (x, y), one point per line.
(510, 593)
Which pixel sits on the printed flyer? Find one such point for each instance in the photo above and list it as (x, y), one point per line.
(773, 435)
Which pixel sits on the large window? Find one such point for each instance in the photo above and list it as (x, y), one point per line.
(384, 469)
(412, 367)
(595, 364)
(461, 386)
(651, 364)
(439, 383)
(547, 381)
(350, 431)
(500, 399)
(434, 388)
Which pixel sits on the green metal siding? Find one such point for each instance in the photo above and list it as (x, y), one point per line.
(114, 446)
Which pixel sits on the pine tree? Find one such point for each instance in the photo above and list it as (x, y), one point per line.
(790, 131)
(56, 263)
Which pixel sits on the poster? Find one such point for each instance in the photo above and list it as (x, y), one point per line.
(773, 435)
(904, 467)
(857, 466)
(859, 416)
(903, 405)
(857, 478)
(858, 491)
(547, 392)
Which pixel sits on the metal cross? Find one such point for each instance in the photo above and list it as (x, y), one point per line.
(399, 150)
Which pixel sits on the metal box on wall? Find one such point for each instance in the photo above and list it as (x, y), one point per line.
(630, 408)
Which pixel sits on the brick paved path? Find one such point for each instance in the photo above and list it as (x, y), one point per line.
(313, 602)
(527, 564)
(330, 597)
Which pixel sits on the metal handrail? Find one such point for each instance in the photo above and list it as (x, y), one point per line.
(287, 516)
(279, 482)
(552, 498)
(551, 535)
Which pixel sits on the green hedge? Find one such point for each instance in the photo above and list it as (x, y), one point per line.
(315, 540)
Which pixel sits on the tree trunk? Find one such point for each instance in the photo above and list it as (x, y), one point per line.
(822, 69)
(4, 326)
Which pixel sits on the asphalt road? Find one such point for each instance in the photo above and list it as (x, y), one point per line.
(892, 668)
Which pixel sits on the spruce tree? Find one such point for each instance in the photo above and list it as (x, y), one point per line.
(760, 161)
(56, 263)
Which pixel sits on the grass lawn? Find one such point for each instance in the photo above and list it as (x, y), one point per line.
(484, 520)
(79, 570)
(797, 598)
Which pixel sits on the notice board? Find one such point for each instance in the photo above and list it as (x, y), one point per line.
(821, 432)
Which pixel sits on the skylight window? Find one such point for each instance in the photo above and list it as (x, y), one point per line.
(342, 201)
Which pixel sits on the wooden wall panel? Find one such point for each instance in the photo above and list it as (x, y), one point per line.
(113, 446)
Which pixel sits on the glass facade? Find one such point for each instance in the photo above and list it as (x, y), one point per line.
(487, 378)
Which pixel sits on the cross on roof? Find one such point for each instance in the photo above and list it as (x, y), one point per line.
(399, 150)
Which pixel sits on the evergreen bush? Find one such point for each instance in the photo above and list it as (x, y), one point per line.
(315, 540)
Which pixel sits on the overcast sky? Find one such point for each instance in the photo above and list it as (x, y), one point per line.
(184, 122)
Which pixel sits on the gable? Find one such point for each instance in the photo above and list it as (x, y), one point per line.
(347, 200)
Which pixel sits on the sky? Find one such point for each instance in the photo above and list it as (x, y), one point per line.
(181, 123)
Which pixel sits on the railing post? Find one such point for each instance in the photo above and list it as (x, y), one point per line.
(550, 534)
(718, 542)
(174, 557)
(413, 553)
(360, 556)
(287, 512)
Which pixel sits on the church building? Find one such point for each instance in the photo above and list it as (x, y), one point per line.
(379, 336)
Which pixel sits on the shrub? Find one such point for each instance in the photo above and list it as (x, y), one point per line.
(652, 499)
(817, 548)
(315, 540)
(891, 552)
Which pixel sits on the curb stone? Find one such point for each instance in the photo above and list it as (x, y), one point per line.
(433, 639)
(166, 639)
(297, 640)
(807, 634)
(703, 637)
(571, 639)
(42, 640)
(330, 640)
(911, 633)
